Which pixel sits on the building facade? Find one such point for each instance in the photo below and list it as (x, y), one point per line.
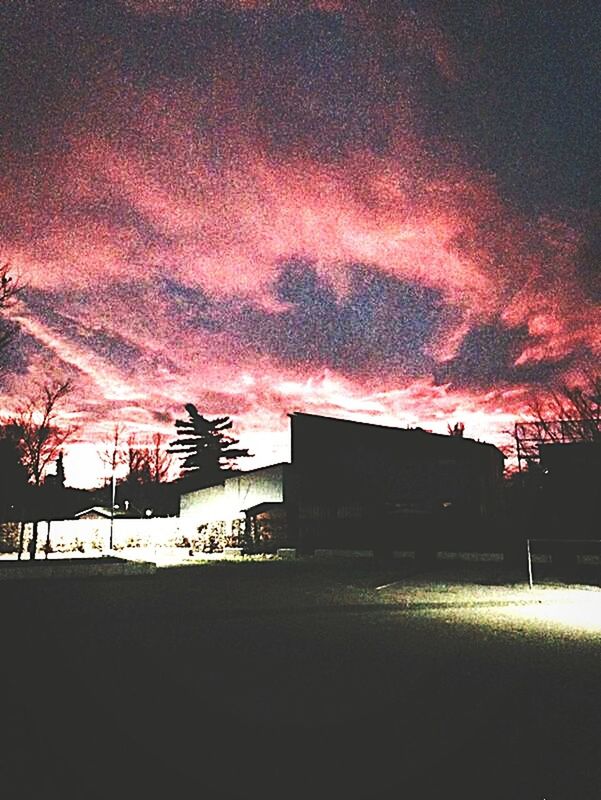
(352, 484)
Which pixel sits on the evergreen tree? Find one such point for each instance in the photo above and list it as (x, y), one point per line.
(60, 471)
(205, 447)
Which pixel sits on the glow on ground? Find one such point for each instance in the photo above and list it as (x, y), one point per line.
(562, 610)
(553, 609)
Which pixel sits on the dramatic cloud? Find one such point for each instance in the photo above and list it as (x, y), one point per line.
(265, 207)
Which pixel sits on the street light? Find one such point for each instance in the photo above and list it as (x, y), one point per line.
(112, 511)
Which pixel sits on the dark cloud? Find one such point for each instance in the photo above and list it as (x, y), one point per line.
(16, 353)
(487, 359)
(526, 107)
(589, 259)
(189, 306)
(379, 325)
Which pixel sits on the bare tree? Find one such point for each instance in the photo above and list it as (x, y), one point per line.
(148, 466)
(570, 413)
(564, 414)
(40, 436)
(138, 461)
(112, 452)
(161, 460)
(149, 461)
(457, 430)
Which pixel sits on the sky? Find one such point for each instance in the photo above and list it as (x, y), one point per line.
(385, 211)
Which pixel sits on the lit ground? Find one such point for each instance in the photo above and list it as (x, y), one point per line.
(296, 680)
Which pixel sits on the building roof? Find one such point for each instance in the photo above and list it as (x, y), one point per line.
(100, 511)
(237, 473)
(260, 508)
(105, 513)
(409, 434)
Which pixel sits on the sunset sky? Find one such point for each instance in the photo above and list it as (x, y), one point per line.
(386, 211)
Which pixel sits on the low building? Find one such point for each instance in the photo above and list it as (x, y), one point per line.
(351, 484)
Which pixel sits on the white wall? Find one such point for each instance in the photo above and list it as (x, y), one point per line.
(227, 501)
(67, 534)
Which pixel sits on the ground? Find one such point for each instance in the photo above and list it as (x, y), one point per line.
(301, 679)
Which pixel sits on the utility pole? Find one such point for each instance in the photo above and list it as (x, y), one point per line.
(112, 510)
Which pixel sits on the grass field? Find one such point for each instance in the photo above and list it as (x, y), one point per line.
(301, 679)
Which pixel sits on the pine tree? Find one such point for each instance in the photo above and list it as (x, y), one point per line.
(60, 471)
(205, 447)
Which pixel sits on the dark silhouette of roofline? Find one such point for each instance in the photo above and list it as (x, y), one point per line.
(415, 432)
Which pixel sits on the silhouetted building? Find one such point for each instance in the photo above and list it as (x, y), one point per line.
(570, 496)
(353, 484)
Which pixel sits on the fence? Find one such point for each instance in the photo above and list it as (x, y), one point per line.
(85, 535)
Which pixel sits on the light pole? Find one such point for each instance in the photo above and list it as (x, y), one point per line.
(112, 511)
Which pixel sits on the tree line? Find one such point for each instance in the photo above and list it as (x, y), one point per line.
(33, 438)
(32, 441)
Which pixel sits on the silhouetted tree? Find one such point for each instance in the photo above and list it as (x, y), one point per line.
(134, 487)
(13, 483)
(113, 452)
(160, 459)
(56, 480)
(40, 438)
(60, 471)
(458, 429)
(570, 413)
(561, 415)
(148, 468)
(205, 447)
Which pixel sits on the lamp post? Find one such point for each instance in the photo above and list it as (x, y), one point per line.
(112, 511)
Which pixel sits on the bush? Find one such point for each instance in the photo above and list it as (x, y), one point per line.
(214, 537)
(9, 537)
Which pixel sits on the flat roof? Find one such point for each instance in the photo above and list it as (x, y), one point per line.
(414, 432)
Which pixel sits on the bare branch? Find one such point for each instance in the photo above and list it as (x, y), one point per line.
(113, 453)
(36, 425)
(565, 414)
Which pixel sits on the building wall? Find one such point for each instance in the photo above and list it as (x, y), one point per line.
(227, 501)
(569, 503)
(409, 479)
(339, 460)
(353, 480)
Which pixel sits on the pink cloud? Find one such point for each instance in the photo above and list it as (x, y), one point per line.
(183, 181)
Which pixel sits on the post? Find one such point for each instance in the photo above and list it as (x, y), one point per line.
(112, 510)
(21, 537)
(530, 583)
(47, 545)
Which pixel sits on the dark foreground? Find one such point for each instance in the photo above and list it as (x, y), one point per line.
(290, 680)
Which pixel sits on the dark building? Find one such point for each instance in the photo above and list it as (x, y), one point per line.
(353, 484)
(570, 497)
